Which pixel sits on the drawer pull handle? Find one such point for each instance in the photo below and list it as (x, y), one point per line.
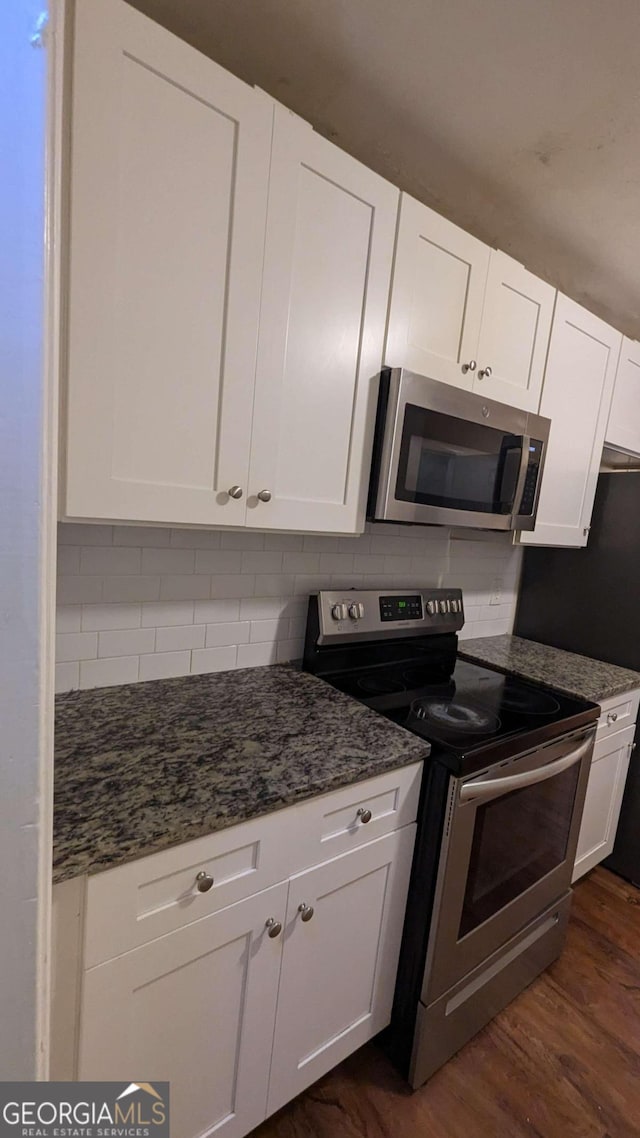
(204, 881)
(364, 815)
(273, 927)
(612, 716)
(305, 911)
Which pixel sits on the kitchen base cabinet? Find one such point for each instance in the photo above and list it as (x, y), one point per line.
(196, 1008)
(607, 777)
(238, 1005)
(342, 940)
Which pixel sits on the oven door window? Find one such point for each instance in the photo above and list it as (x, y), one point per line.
(455, 464)
(518, 838)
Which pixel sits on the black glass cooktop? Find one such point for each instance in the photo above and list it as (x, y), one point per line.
(473, 708)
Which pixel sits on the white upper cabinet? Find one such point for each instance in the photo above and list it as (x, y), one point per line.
(576, 396)
(169, 181)
(623, 428)
(465, 314)
(514, 335)
(437, 295)
(328, 254)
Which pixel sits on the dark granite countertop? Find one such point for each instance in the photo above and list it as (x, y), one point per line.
(576, 675)
(145, 766)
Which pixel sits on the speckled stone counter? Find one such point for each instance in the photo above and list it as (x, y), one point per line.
(576, 675)
(145, 766)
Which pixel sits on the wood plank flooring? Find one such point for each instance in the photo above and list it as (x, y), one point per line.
(562, 1061)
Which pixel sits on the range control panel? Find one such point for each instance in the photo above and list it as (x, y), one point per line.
(375, 615)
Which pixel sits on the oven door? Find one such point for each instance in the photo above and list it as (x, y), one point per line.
(507, 853)
(448, 457)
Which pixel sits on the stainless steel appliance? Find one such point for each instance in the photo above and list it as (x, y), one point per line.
(500, 812)
(443, 456)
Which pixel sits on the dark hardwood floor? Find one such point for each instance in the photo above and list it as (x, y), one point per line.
(562, 1061)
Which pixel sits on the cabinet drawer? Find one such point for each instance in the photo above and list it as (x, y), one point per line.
(132, 904)
(129, 905)
(339, 822)
(617, 713)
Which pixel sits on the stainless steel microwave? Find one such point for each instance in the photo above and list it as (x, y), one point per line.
(444, 456)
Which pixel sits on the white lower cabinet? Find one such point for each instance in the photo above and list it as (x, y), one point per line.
(242, 1007)
(609, 766)
(195, 1008)
(342, 940)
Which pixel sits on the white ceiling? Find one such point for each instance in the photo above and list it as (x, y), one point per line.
(518, 119)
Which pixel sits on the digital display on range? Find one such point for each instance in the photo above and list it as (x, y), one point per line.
(401, 608)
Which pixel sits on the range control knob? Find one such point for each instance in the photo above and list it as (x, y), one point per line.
(444, 606)
(339, 612)
(356, 611)
(454, 606)
(432, 607)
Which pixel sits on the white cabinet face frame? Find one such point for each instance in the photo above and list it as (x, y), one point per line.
(514, 337)
(169, 178)
(576, 396)
(219, 976)
(437, 296)
(329, 249)
(339, 967)
(623, 428)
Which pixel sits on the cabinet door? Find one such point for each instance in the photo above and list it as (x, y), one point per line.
(437, 295)
(516, 323)
(330, 231)
(603, 800)
(576, 396)
(196, 1007)
(339, 968)
(623, 428)
(169, 177)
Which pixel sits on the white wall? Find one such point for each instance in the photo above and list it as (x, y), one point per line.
(23, 710)
(144, 603)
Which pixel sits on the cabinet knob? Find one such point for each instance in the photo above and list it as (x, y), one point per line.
(364, 815)
(471, 366)
(273, 927)
(305, 911)
(204, 881)
(264, 495)
(612, 716)
(235, 492)
(485, 373)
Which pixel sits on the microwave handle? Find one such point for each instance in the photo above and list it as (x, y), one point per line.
(490, 788)
(522, 474)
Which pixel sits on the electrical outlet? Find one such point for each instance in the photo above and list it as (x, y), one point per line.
(496, 596)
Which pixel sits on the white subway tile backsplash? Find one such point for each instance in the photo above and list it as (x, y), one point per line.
(218, 561)
(254, 655)
(261, 562)
(126, 642)
(131, 588)
(76, 646)
(106, 672)
(214, 659)
(176, 588)
(180, 636)
(167, 612)
(99, 617)
(168, 560)
(237, 632)
(98, 560)
(163, 665)
(148, 602)
(67, 676)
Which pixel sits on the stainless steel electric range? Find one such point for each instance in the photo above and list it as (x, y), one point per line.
(501, 805)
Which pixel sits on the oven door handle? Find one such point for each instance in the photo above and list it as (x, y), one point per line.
(489, 788)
